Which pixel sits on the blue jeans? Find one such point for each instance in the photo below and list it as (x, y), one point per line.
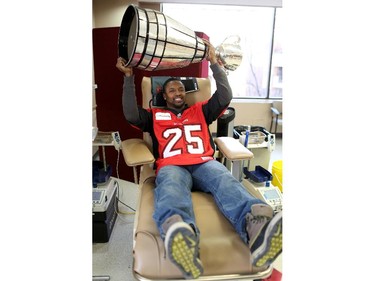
(172, 194)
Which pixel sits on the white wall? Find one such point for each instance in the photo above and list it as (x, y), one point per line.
(256, 113)
(108, 13)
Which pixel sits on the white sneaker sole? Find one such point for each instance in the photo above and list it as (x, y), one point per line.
(182, 248)
(272, 246)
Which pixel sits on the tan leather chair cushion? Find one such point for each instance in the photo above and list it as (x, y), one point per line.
(221, 249)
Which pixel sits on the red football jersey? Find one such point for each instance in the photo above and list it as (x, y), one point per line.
(183, 139)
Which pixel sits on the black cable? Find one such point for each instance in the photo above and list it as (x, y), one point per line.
(118, 196)
(125, 204)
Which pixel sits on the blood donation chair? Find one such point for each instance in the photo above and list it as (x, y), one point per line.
(223, 254)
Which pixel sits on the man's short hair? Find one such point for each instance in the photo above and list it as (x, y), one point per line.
(170, 80)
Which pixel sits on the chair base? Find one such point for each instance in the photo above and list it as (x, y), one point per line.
(228, 277)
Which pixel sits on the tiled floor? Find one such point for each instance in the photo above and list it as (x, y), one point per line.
(114, 258)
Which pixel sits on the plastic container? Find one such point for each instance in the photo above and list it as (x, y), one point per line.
(277, 174)
(257, 134)
(258, 175)
(99, 173)
(256, 137)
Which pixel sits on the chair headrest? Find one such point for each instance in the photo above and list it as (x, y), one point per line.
(190, 83)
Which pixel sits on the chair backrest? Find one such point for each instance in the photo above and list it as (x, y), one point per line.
(203, 93)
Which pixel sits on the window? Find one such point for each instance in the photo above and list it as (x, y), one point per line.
(260, 73)
(276, 77)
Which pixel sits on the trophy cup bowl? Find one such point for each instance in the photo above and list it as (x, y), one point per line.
(229, 52)
(150, 40)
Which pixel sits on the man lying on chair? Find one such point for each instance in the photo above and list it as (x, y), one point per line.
(186, 159)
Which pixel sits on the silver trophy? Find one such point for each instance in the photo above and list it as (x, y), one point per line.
(150, 40)
(229, 52)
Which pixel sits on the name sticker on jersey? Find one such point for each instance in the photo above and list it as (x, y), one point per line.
(163, 116)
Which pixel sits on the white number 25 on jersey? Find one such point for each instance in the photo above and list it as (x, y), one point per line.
(194, 143)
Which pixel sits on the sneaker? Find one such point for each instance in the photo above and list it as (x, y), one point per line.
(181, 244)
(266, 246)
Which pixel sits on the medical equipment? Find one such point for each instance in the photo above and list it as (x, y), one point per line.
(101, 170)
(257, 183)
(104, 210)
(107, 139)
(103, 194)
(259, 141)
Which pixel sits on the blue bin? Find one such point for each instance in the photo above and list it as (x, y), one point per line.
(259, 175)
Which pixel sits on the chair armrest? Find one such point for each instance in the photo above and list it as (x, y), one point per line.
(136, 152)
(232, 149)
